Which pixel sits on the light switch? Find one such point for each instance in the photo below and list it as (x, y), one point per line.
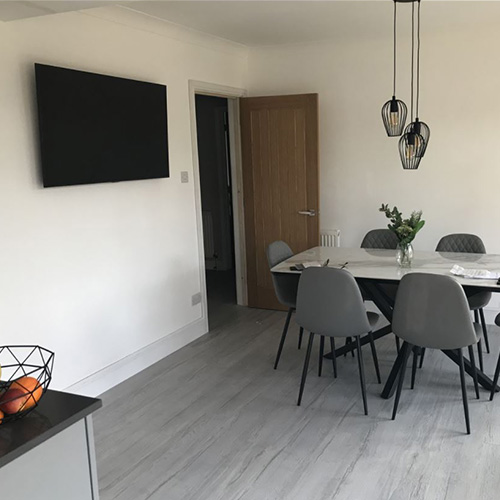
(196, 299)
(184, 177)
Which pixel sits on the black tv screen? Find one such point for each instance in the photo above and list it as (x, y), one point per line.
(96, 128)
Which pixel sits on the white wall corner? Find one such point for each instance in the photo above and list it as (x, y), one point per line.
(116, 373)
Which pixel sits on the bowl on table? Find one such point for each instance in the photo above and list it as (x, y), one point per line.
(26, 372)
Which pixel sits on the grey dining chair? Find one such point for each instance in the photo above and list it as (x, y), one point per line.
(329, 304)
(470, 243)
(497, 369)
(380, 238)
(285, 287)
(431, 311)
(383, 239)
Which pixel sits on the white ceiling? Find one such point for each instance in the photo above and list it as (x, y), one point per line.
(258, 23)
(11, 11)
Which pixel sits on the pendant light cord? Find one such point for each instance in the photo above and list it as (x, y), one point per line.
(395, 51)
(418, 58)
(412, 55)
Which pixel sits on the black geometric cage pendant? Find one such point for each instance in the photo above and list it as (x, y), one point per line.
(414, 142)
(394, 114)
(411, 147)
(422, 129)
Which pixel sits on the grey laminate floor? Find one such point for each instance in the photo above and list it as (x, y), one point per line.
(215, 421)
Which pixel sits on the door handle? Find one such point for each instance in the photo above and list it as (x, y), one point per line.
(310, 213)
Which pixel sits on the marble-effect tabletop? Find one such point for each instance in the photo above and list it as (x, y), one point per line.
(381, 264)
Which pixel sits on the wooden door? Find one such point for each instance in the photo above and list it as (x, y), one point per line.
(279, 139)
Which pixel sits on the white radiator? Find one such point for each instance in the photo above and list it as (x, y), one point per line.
(208, 234)
(329, 237)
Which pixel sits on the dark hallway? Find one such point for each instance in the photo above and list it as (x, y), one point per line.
(216, 198)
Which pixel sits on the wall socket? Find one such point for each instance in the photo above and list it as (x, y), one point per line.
(196, 299)
(184, 177)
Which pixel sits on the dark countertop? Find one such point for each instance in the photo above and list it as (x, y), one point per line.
(55, 412)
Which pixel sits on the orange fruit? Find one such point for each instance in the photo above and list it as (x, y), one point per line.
(28, 385)
(1, 416)
(13, 401)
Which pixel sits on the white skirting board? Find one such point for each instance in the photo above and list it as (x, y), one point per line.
(118, 372)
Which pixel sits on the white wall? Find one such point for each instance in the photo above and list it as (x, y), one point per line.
(456, 185)
(104, 274)
(99, 272)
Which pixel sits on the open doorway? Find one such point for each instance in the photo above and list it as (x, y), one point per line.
(216, 185)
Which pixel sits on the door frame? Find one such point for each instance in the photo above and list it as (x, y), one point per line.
(232, 94)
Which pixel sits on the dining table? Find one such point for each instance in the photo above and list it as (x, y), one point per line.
(373, 269)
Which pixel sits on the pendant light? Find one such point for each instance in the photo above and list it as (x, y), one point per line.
(417, 126)
(412, 144)
(394, 111)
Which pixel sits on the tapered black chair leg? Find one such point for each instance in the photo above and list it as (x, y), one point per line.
(416, 350)
(474, 371)
(361, 374)
(479, 346)
(480, 355)
(464, 390)
(495, 379)
(422, 355)
(348, 341)
(485, 330)
(397, 343)
(283, 337)
(301, 334)
(476, 320)
(406, 352)
(334, 357)
(321, 354)
(306, 367)
(476, 316)
(375, 357)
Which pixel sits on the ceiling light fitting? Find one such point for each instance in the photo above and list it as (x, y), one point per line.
(415, 139)
(394, 111)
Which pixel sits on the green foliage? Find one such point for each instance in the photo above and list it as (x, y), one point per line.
(405, 229)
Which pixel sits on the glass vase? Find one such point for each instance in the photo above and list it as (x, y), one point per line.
(404, 254)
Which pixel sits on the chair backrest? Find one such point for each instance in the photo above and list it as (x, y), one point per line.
(432, 311)
(277, 252)
(380, 238)
(329, 303)
(466, 243)
(285, 285)
(461, 242)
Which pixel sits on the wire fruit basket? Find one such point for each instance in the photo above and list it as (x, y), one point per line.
(26, 372)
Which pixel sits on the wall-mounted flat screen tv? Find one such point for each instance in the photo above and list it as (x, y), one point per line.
(96, 128)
